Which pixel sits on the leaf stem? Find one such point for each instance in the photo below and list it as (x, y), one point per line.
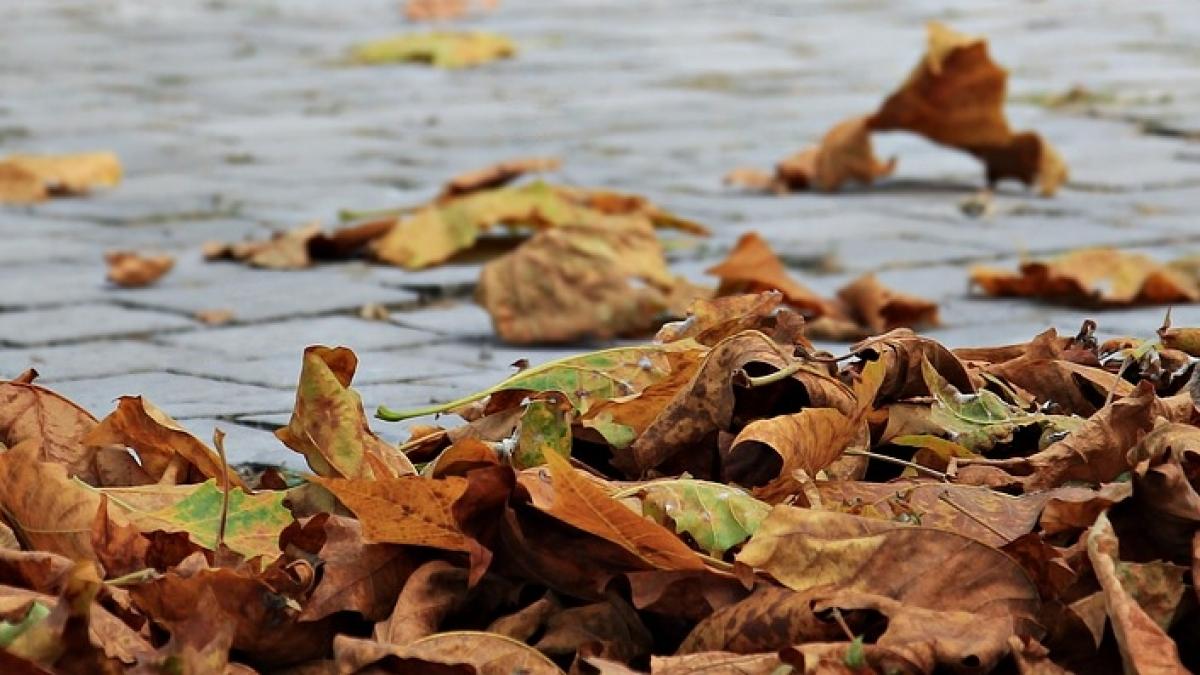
(901, 462)
(777, 376)
(219, 442)
(132, 578)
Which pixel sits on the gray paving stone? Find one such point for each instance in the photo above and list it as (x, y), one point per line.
(181, 396)
(83, 322)
(246, 444)
(97, 359)
(291, 337)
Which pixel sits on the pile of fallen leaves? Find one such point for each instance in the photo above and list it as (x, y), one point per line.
(724, 499)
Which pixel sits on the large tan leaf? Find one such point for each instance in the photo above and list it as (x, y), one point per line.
(578, 501)
(328, 425)
(167, 451)
(456, 652)
(601, 279)
(55, 426)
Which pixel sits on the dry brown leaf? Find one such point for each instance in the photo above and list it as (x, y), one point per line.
(879, 309)
(603, 279)
(299, 248)
(48, 510)
(443, 10)
(31, 178)
(610, 630)
(411, 510)
(130, 269)
(844, 154)
(1044, 372)
(457, 652)
(955, 96)
(497, 175)
(431, 592)
(1092, 276)
(55, 426)
(578, 501)
(716, 663)
(355, 576)
(167, 451)
(902, 353)
(1145, 647)
(752, 267)
(1164, 482)
(711, 320)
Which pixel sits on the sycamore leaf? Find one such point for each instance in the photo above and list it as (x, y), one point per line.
(584, 380)
(1092, 276)
(328, 425)
(47, 509)
(544, 427)
(252, 527)
(752, 267)
(717, 516)
(438, 49)
(577, 501)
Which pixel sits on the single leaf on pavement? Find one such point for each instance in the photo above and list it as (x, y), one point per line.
(328, 425)
(130, 269)
(497, 175)
(752, 267)
(438, 49)
(603, 279)
(27, 179)
(1094, 276)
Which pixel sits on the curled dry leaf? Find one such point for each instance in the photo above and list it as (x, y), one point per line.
(131, 269)
(439, 49)
(26, 179)
(54, 426)
(1092, 276)
(752, 267)
(167, 452)
(328, 425)
(482, 653)
(711, 320)
(954, 96)
(1145, 647)
(600, 280)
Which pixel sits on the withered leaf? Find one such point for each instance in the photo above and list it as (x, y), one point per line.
(752, 267)
(55, 426)
(497, 175)
(131, 269)
(438, 49)
(27, 179)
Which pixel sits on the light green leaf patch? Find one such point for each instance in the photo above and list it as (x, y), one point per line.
(545, 427)
(251, 529)
(718, 517)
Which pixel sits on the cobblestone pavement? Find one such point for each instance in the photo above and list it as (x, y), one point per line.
(232, 117)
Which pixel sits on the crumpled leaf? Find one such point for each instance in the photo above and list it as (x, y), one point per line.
(252, 525)
(711, 320)
(167, 452)
(328, 425)
(54, 425)
(599, 280)
(903, 354)
(131, 269)
(610, 629)
(430, 593)
(879, 309)
(577, 501)
(717, 516)
(452, 224)
(1092, 276)
(441, 49)
(1164, 481)
(1145, 647)
(27, 179)
(955, 97)
(411, 510)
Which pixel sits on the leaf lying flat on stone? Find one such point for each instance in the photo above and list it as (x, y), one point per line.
(438, 49)
(28, 179)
